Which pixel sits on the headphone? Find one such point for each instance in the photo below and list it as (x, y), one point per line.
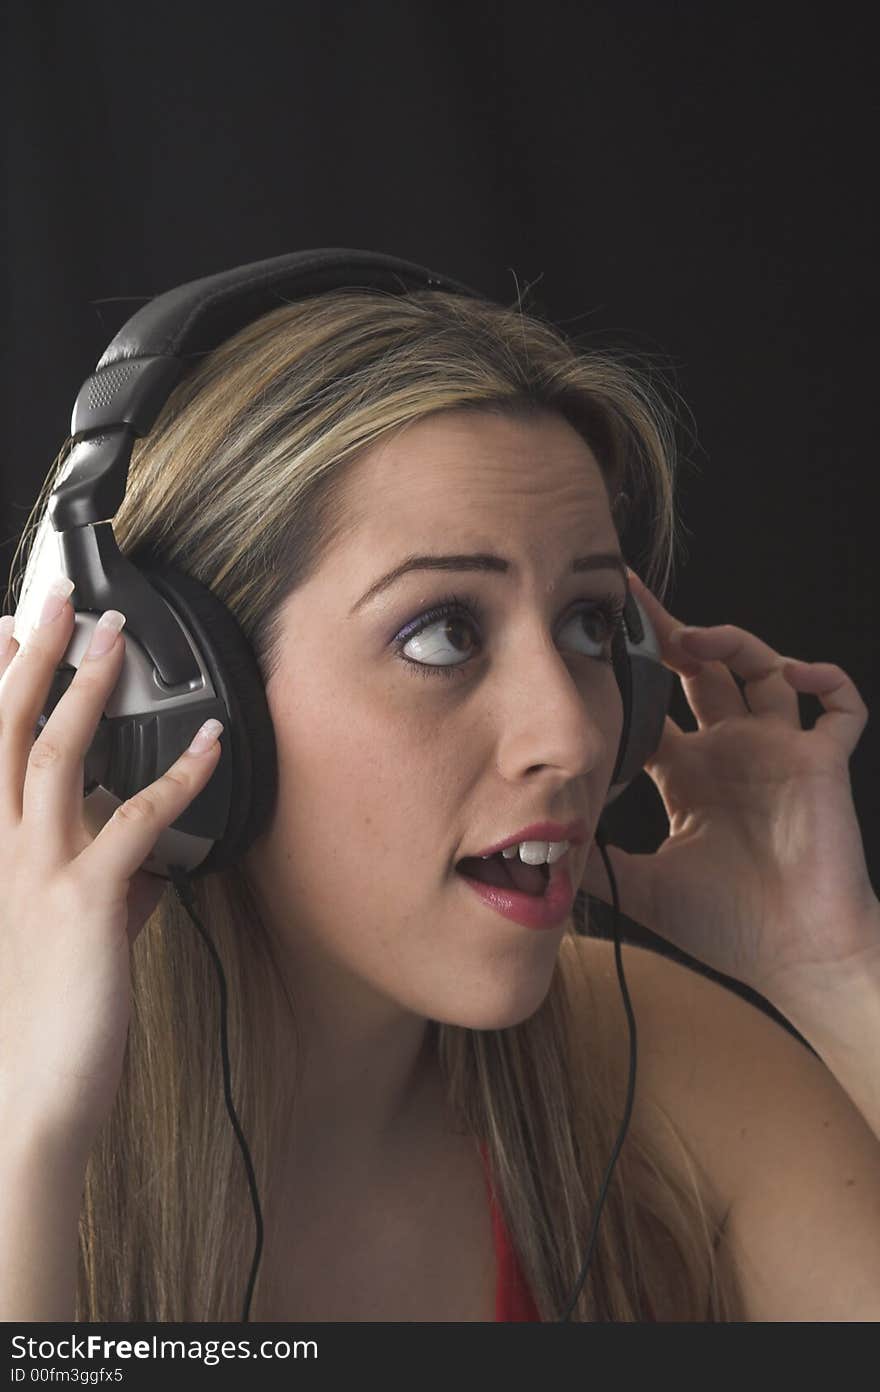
(186, 659)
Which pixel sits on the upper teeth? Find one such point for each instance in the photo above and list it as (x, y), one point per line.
(536, 852)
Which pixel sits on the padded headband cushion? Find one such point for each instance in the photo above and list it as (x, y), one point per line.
(196, 317)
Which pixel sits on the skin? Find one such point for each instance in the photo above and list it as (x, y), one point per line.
(386, 778)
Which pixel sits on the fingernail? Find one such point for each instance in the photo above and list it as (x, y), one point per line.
(7, 628)
(55, 600)
(205, 737)
(107, 628)
(678, 633)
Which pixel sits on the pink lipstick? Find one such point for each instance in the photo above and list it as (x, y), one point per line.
(547, 910)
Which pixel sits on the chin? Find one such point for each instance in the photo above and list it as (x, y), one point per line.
(497, 1009)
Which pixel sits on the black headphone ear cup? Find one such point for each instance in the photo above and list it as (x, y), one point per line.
(623, 673)
(646, 687)
(248, 730)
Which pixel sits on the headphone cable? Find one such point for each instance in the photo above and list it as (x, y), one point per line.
(183, 890)
(600, 842)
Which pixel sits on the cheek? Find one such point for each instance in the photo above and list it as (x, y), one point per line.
(359, 768)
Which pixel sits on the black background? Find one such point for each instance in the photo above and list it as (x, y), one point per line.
(688, 181)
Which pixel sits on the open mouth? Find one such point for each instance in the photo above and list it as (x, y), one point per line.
(506, 874)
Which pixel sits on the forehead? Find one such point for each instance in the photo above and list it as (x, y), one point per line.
(461, 472)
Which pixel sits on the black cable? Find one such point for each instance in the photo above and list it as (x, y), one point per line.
(600, 842)
(184, 893)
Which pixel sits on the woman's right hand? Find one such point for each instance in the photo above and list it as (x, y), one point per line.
(72, 904)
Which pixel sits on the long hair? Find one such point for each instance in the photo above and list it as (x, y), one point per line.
(239, 484)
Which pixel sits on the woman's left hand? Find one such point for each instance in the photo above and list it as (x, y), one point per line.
(762, 876)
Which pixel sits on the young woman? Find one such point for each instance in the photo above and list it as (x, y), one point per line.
(430, 1091)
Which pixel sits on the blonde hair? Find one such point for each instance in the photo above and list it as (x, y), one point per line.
(239, 484)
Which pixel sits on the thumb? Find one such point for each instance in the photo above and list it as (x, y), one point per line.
(144, 894)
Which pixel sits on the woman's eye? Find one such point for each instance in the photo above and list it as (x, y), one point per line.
(443, 640)
(435, 644)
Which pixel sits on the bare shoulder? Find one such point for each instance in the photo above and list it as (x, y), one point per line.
(667, 1113)
(788, 1165)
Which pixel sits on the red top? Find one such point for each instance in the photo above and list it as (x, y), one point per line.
(513, 1299)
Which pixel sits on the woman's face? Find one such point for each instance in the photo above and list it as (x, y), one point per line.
(390, 772)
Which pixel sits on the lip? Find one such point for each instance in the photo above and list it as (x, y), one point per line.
(544, 911)
(575, 832)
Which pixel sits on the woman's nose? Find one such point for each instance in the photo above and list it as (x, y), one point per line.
(565, 712)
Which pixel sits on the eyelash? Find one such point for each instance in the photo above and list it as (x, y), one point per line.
(609, 607)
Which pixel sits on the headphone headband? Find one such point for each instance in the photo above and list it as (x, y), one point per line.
(132, 382)
(144, 362)
(196, 317)
(186, 658)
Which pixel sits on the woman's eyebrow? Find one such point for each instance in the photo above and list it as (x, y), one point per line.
(480, 560)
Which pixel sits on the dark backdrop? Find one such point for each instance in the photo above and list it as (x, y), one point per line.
(681, 180)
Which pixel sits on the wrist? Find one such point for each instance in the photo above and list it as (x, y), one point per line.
(810, 985)
(837, 1011)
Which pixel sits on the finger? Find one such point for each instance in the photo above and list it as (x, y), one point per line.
(24, 688)
(663, 624)
(846, 714)
(709, 687)
(667, 760)
(713, 695)
(53, 785)
(668, 750)
(144, 895)
(8, 645)
(123, 844)
(759, 666)
(706, 667)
